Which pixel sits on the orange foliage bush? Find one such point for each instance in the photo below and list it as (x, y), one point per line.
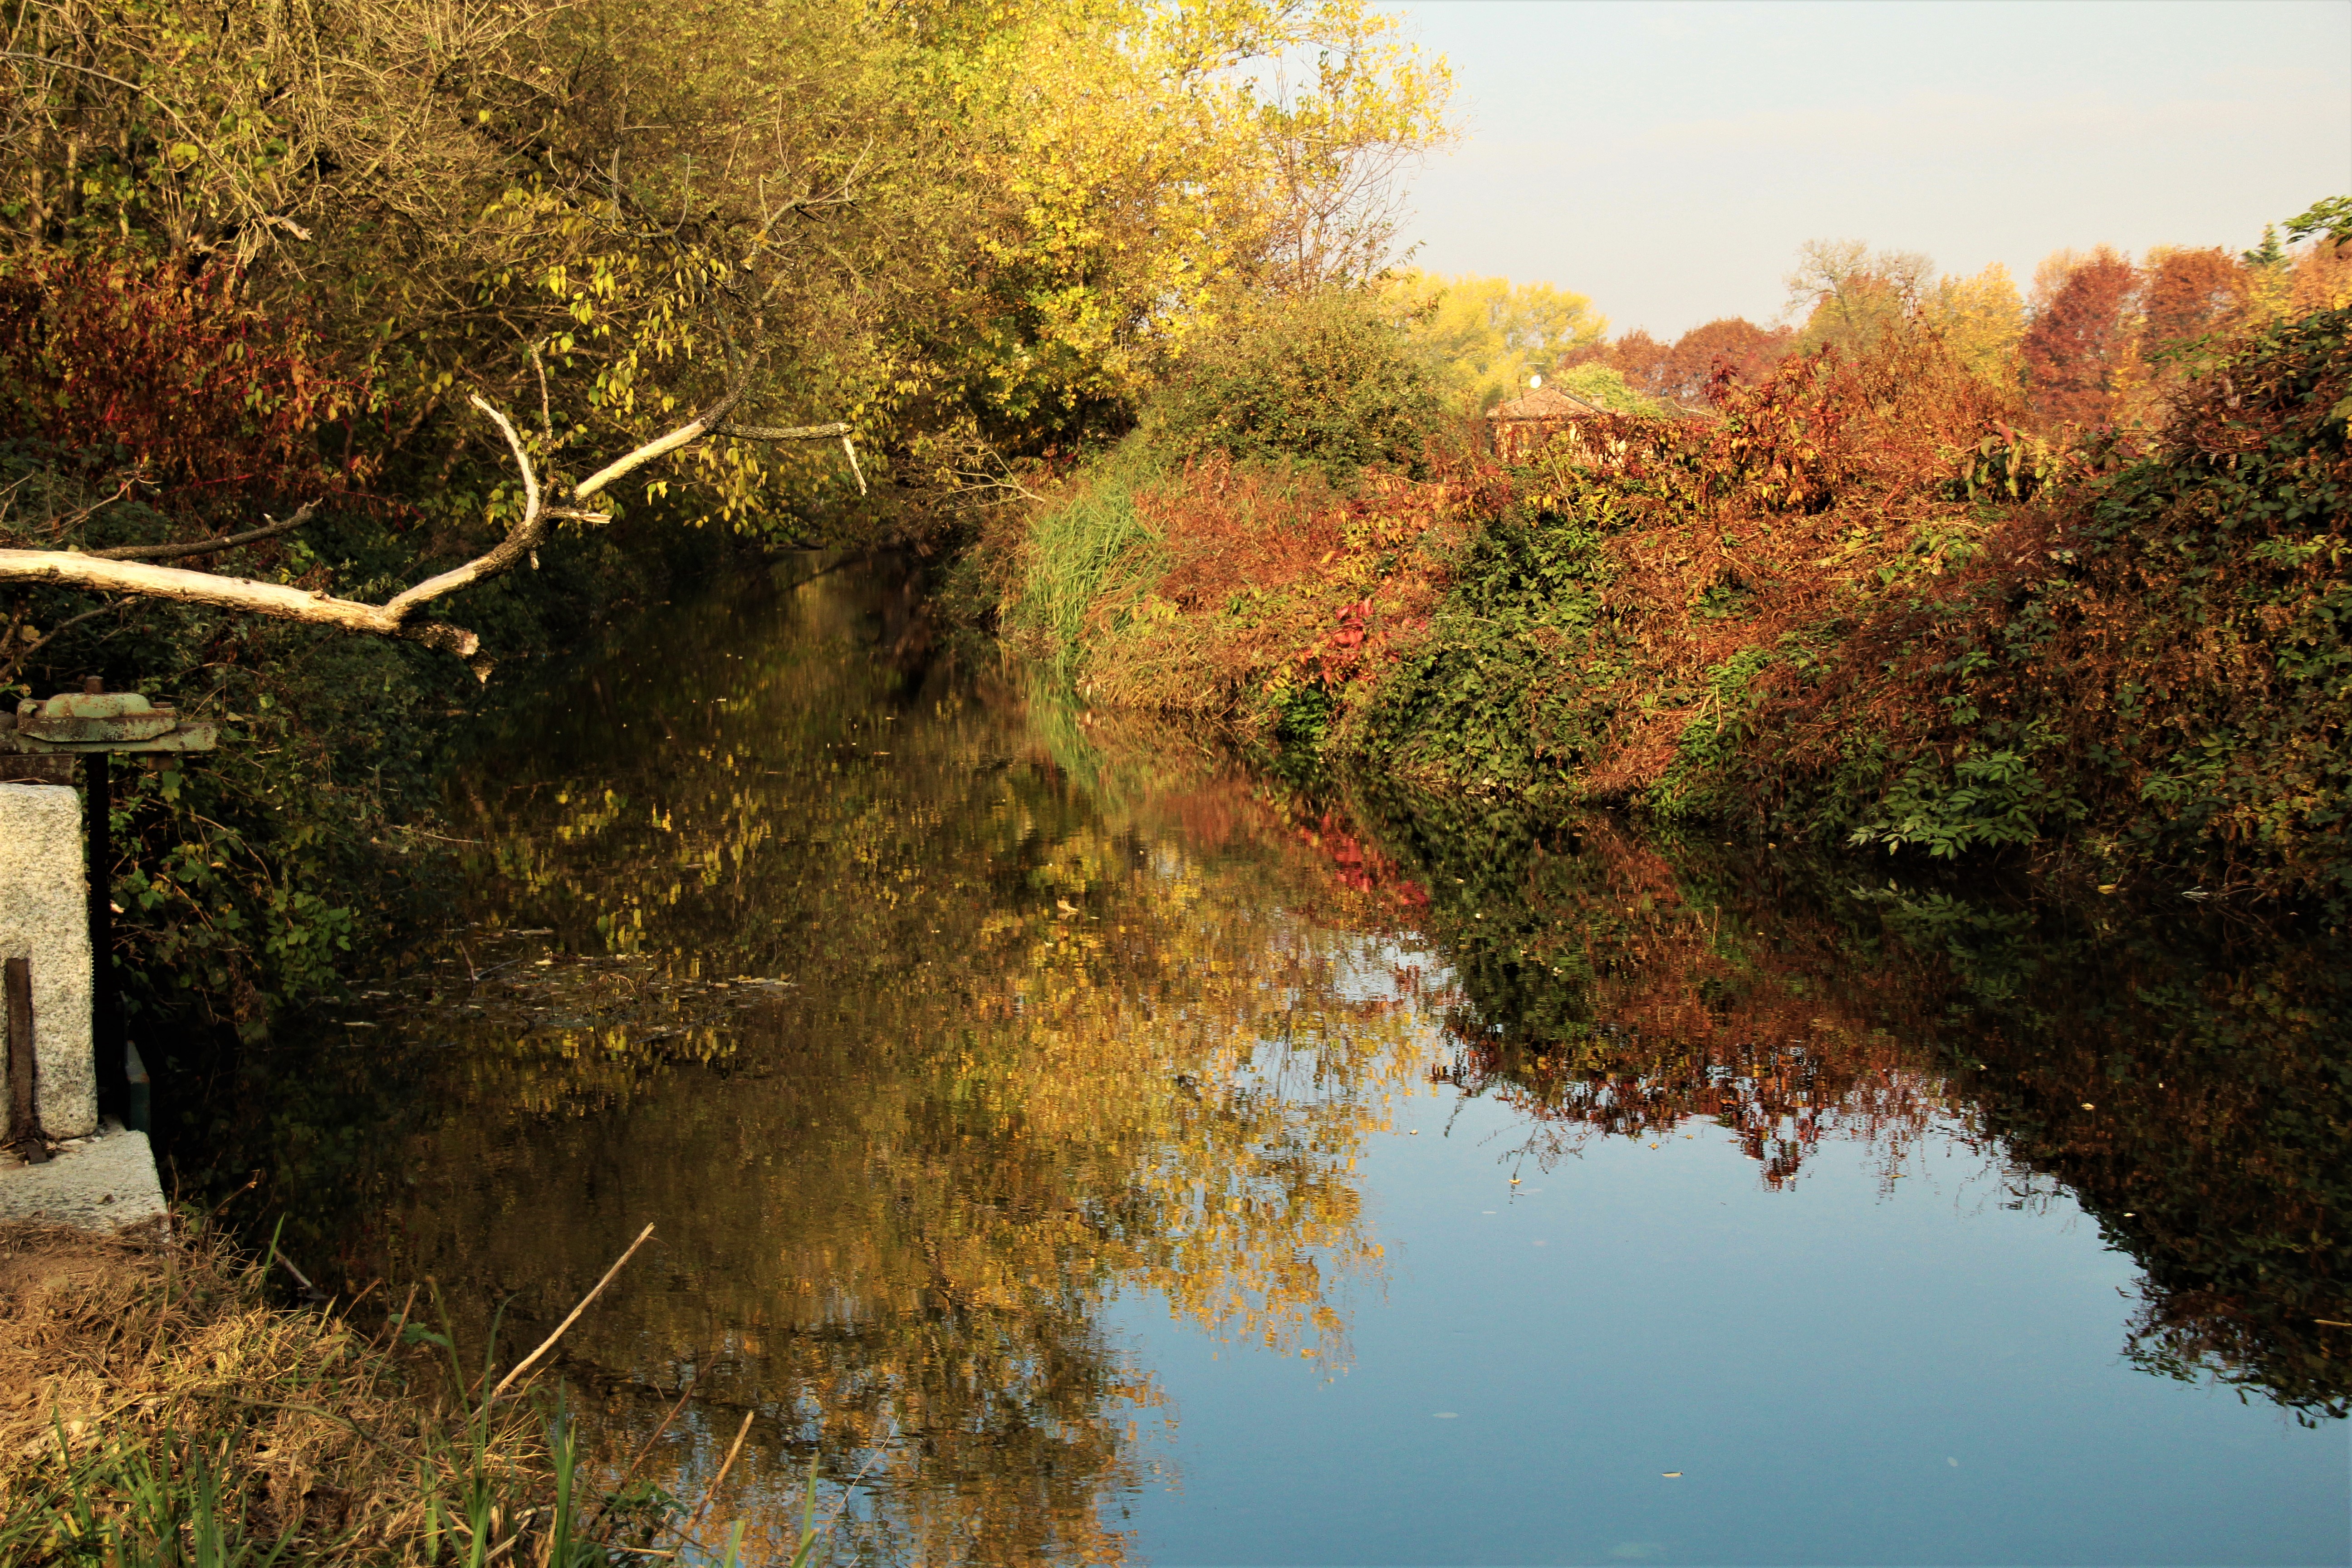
(1272, 577)
(2157, 650)
(1860, 603)
(1830, 483)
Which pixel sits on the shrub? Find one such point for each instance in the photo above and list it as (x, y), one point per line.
(2156, 652)
(1329, 380)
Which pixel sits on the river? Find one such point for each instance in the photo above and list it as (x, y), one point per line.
(1090, 1149)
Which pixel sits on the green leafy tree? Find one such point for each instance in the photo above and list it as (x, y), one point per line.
(2329, 219)
(1331, 380)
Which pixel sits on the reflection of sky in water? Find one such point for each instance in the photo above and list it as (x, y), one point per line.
(1841, 1373)
(1128, 1167)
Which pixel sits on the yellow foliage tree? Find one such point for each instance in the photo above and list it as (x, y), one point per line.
(1982, 320)
(1139, 160)
(953, 225)
(1491, 334)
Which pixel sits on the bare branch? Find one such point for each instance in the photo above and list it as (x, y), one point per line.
(129, 568)
(524, 538)
(64, 626)
(834, 431)
(61, 523)
(783, 432)
(14, 653)
(548, 1343)
(546, 420)
(206, 546)
(686, 434)
(70, 568)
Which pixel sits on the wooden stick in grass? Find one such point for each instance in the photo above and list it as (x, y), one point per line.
(548, 1343)
(721, 1478)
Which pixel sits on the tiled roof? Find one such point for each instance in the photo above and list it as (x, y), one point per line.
(1544, 403)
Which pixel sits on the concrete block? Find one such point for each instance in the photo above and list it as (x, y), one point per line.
(45, 917)
(103, 1182)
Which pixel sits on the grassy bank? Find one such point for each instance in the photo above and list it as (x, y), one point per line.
(162, 1404)
(1857, 603)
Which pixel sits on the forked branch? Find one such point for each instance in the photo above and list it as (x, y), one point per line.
(131, 569)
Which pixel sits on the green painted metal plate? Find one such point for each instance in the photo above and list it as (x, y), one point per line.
(103, 721)
(95, 717)
(185, 738)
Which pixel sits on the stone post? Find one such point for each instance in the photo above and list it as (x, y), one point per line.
(45, 918)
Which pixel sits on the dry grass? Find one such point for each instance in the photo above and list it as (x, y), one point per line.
(158, 1406)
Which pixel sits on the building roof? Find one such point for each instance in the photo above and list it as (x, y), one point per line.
(1544, 402)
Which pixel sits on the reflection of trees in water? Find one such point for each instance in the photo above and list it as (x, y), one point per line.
(2189, 1080)
(918, 1052)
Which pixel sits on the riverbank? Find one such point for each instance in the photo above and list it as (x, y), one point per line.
(1856, 605)
(172, 1402)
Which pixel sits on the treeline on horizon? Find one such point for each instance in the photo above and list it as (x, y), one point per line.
(2098, 339)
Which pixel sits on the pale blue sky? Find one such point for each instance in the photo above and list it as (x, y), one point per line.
(1668, 159)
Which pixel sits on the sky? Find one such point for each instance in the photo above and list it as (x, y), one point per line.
(1668, 159)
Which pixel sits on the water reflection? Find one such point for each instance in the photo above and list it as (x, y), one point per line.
(915, 1050)
(2185, 1074)
(926, 1015)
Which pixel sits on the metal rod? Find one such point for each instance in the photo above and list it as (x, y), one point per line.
(23, 1106)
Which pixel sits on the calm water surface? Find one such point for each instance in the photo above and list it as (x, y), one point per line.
(1089, 1150)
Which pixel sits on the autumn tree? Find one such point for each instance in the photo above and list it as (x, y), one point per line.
(972, 226)
(1852, 295)
(1681, 372)
(2188, 294)
(2080, 340)
(1728, 350)
(961, 231)
(1492, 335)
(1982, 321)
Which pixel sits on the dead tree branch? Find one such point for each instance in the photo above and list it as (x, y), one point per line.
(207, 546)
(129, 570)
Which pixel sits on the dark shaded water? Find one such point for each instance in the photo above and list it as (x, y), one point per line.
(1092, 1151)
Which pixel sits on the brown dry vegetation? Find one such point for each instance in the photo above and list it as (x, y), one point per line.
(153, 1397)
(1272, 575)
(1823, 486)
